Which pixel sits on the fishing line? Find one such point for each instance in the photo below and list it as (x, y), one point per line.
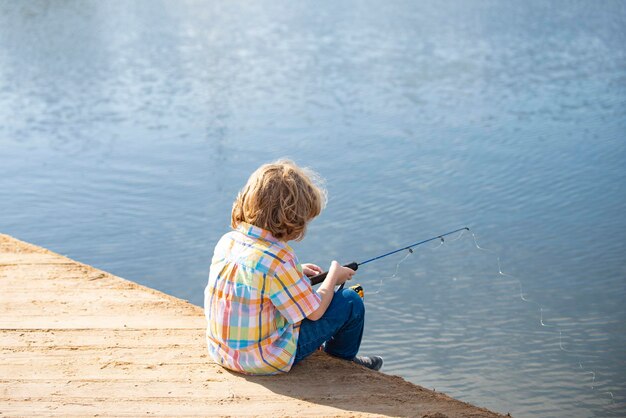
(457, 238)
(399, 315)
(561, 343)
(355, 266)
(395, 274)
(543, 324)
(522, 296)
(411, 251)
(500, 272)
(410, 247)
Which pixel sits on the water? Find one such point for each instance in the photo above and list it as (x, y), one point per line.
(128, 127)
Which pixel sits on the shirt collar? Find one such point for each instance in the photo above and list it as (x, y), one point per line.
(256, 232)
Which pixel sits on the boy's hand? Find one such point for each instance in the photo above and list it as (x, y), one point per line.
(339, 273)
(311, 270)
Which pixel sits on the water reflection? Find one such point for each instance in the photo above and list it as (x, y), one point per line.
(129, 127)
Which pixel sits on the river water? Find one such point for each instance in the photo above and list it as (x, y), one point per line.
(128, 128)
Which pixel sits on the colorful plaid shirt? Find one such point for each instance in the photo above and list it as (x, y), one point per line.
(255, 299)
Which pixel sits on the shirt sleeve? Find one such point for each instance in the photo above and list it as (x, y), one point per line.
(292, 294)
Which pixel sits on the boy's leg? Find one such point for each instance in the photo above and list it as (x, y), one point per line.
(341, 327)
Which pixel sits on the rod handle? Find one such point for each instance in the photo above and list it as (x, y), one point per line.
(319, 278)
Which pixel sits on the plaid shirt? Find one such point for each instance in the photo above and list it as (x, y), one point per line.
(254, 302)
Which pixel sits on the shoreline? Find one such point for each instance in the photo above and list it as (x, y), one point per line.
(76, 340)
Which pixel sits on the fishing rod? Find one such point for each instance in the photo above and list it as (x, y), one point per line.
(354, 265)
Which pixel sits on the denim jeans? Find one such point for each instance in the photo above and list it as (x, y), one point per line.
(341, 328)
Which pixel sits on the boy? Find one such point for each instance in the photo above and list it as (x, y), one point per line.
(263, 316)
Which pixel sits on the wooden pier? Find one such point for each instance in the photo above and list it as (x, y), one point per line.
(77, 341)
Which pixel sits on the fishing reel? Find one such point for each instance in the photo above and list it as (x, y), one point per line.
(359, 290)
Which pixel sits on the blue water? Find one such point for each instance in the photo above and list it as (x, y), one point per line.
(128, 128)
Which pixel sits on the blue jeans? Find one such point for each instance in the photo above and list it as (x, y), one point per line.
(341, 328)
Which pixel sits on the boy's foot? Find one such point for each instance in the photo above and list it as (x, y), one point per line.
(372, 362)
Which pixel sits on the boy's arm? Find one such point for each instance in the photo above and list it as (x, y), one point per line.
(337, 274)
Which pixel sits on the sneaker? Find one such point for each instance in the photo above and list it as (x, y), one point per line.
(373, 362)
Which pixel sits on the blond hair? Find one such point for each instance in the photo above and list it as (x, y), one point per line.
(281, 198)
